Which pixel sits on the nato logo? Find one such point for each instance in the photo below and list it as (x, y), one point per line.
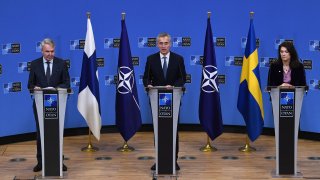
(141, 79)
(244, 42)
(109, 80)
(22, 67)
(50, 100)
(38, 46)
(75, 82)
(314, 84)
(111, 43)
(209, 82)
(287, 98)
(229, 61)
(125, 80)
(277, 42)
(143, 42)
(7, 88)
(11, 87)
(77, 44)
(195, 60)
(165, 99)
(108, 43)
(264, 62)
(11, 48)
(177, 42)
(314, 45)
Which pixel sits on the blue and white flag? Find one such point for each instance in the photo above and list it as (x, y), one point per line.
(89, 98)
(209, 105)
(128, 117)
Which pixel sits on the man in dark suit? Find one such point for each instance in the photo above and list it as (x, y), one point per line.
(47, 71)
(165, 68)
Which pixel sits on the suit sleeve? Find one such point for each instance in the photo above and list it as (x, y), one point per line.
(32, 77)
(302, 76)
(65, 78)
(270, 79)
(181, 74)
(147, 74)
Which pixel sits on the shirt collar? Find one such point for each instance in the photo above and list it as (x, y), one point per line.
(167, 55)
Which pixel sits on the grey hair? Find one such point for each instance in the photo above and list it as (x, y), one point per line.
(47, 41)
(164, 34)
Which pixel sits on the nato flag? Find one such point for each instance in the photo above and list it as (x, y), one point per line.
(209, 104)
(128, 117)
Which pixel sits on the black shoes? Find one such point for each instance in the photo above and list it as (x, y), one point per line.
(153, 168)
(38, 168)
(177, 167)
(64, 168)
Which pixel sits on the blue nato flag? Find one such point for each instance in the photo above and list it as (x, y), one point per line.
(128, 117)
(209, 105)
(250, 102)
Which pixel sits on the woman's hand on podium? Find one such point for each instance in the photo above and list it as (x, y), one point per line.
(286, 85)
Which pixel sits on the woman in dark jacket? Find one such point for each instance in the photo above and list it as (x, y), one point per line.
(287, 70)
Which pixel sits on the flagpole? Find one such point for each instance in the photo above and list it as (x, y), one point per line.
(90, 147)
(247, 147)
(208, 147)
(125, 147)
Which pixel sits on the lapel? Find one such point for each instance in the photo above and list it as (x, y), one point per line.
(158, 64)
(41, 67)
(54, 67)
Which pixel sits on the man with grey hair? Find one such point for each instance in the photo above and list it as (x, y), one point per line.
(165, 68)
(47, 71)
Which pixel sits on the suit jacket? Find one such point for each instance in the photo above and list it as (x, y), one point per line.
(176, 73)
(275, 76)
(59, 77)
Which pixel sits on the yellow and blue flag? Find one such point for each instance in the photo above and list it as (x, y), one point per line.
(250, 102)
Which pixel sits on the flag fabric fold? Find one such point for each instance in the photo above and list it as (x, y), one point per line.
(209, 104)
(250, 102)
(89, 97)
(128, 117)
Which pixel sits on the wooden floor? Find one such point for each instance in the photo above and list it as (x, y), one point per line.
(126, 166)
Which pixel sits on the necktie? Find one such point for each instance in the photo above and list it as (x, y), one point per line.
(48, 71)
(165, 66)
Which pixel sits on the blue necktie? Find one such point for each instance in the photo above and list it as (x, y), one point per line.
(165, 66)
(48, 71)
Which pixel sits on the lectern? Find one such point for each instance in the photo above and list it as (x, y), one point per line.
(286, 106)
(165, 105)
(51, 107)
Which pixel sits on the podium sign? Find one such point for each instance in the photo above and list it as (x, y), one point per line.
(165, 104)
(286, 106)
(51, 105)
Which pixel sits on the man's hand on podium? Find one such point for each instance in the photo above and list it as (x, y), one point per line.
(37, 88)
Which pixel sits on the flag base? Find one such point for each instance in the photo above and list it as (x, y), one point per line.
(125, 148)
(247, 148)
(208, 148)
(89, 148)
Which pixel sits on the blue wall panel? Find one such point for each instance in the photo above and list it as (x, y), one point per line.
(28, 22)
